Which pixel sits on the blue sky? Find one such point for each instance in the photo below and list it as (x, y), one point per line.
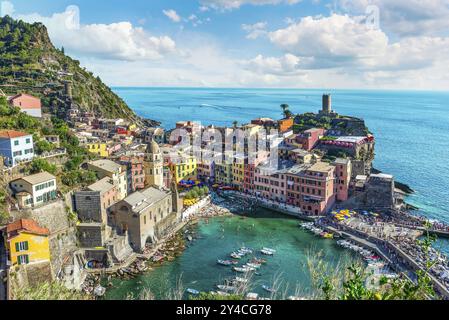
(252, 43)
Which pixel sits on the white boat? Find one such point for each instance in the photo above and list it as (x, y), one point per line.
(235, 255)
(268, 249)
(267, 253)
(268, 289)
(240, 280)
(226, 288)
(253, 265)
(241, 270)
(193, 292)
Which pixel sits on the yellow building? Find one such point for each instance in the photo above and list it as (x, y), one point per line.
(184, 169)
(27, 242)
(238, 173)
(223, 173)
(100, 149)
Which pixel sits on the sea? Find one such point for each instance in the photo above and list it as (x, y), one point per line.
(411, 127)
(412, 143)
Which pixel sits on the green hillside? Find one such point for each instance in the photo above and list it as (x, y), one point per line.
(30, 63)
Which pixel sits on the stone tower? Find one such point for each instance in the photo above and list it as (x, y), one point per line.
(154, 166)
(327, 104)
(68, 89)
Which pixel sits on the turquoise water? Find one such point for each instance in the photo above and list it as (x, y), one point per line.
(411, 128)
(197, 267)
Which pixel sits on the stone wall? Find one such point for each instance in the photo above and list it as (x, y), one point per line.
(54, 216)
(29, 275)
(88, 206)
(91, 235)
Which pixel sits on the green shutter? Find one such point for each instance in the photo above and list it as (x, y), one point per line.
(27, 259)
(26, 245)
(17, 247)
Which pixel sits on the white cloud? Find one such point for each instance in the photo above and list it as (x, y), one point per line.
(121, 40)
(331, 41)
(405, 17)
(172, 15)
(6, 8)
(255, 30)
(286, 65)
(235, 4)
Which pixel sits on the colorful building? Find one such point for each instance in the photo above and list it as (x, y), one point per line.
(343, 173)
(35, 190)
(285, 125)
(310, 138)
(98, 148)
(135, 172)
(27, 242)
(311, 187)
(15, 147)
(115, 171)
(28, 104)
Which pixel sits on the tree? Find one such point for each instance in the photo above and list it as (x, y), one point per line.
(41, 165)
(42, 146)
(285, 111)
(235, 124)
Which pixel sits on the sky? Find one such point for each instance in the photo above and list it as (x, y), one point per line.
(326, 44)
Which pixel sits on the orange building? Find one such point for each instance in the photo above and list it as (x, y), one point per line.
(285, 124)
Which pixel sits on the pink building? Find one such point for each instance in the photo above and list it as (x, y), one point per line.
(310, 138)
(271, 184)
(311, 188)
(342, 179)
(135, 172)
(28, 104)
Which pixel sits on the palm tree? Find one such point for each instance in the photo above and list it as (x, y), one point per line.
(285, 110)
(235, 123)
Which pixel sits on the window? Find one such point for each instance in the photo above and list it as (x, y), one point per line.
(17, 153)
(23, 259)
(28, 140)
(21, 246)
(16, 142)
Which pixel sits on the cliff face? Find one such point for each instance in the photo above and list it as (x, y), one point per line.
(30, 63)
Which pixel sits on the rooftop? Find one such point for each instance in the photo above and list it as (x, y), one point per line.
(107, 165)
(26, 225)
(321, 167)
(103, 185)
(140, 200)
(38, 178)
(11, 134)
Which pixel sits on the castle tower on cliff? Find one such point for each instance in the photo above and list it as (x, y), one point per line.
(326, 109)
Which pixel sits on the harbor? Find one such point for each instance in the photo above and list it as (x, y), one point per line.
(269, 249)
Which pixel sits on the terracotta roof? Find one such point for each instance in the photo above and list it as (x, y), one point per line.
(10, 134)
(26, 225)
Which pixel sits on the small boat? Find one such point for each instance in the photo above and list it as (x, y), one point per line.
(241, 270)
(267, 253)
(235, 255)
(246, 250)
(253, 265)
(240, 280)
(226, 288)
(259, 261)
(193, 292)
(225, 262)
(268, 289)
(268, 249)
